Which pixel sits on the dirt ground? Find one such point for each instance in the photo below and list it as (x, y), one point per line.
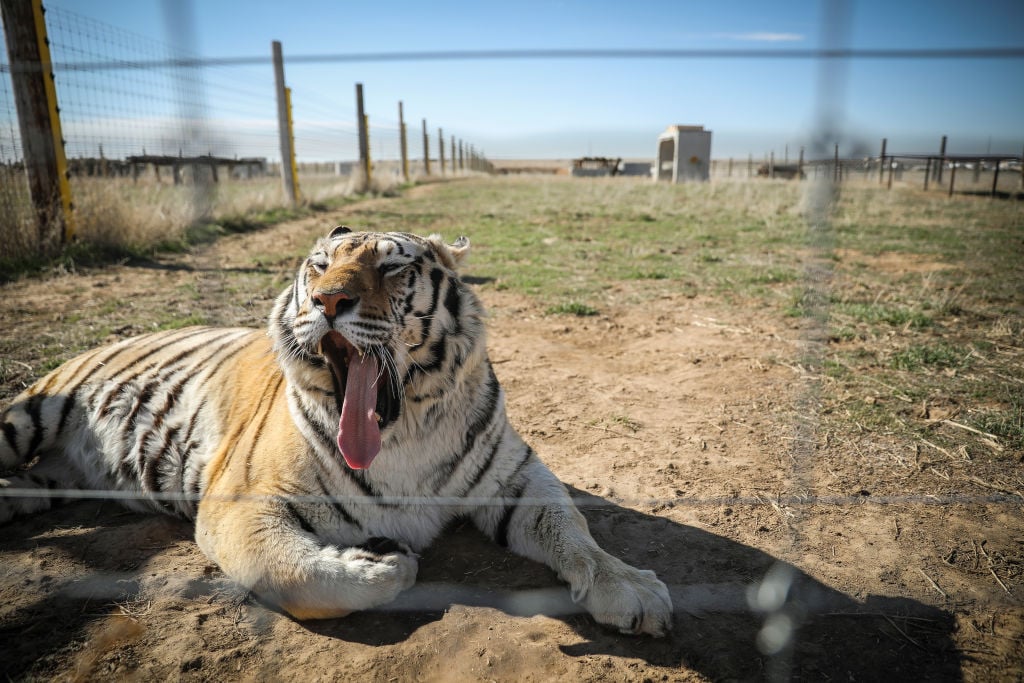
(687, 432)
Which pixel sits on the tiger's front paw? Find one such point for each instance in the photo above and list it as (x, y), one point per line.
(629, 599)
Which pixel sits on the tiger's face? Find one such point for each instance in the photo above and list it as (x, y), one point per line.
(361, 306)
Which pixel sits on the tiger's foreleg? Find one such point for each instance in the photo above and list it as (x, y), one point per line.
(269, 547)
(538, 520)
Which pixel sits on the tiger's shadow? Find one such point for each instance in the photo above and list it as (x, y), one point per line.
(713, 581)
(732, 603)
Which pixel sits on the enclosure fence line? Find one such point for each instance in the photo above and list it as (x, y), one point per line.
(81, 99)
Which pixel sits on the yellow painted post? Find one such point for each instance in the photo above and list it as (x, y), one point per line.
(291, 138)
(51, 105)
(369, 161)
(35, 99)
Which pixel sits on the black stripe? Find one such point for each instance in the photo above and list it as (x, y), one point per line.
(152, 467)
(427, 318)
(11, 434)
(453, 303)
(65, 411)
(336, 504)
(303, 522)
(152, 349)
(486, 466)
(34, 410)
(173, 392)
(473, 432)
(325, 438)
(501, 532)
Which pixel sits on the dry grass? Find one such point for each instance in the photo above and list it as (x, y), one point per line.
(124, 217)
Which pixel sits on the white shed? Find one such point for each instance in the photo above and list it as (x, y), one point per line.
(684, 153)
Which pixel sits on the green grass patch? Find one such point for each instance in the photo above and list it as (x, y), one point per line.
(881, 314)
(572, 308)
(937, 355)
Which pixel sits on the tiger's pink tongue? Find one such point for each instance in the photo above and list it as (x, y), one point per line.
(358, 432)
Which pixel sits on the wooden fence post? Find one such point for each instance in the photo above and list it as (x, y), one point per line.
(440, 147)
(451, 150)
(402, 143)
(942, 160)
(881, 162)
(284, 136)
(836, 173)
(800, 166)
(364, 138)
(426, 149)
(291, 145)
(42, 144)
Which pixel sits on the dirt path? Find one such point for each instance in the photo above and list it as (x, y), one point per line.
(677, 426)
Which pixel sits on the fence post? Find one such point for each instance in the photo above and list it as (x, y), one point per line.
(291, 146)
(454, 156)
(881, 162)
(952, 178)
(285, 138)
(364, 138)
(771, 165)
(426, 149)
(995, 177)
(800, 165)
(402, 143)
(942, 160)
(35, 98)
(440, 147)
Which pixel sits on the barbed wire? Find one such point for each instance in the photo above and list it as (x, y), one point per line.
(585, 501)
(559, 53)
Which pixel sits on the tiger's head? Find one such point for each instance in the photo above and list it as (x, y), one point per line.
(371, 319)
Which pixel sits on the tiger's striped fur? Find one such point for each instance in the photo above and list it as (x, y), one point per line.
(251, 436)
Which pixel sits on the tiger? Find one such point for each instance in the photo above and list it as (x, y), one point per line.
(319, 457)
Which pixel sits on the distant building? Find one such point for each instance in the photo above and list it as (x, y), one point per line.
(684, 153)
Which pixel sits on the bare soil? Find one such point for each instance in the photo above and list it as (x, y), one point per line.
(689, 433)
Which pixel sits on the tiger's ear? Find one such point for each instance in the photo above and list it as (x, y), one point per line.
(340, 230)
(452, 255)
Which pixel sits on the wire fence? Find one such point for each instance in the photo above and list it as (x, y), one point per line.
(124, 96)
(156, 116)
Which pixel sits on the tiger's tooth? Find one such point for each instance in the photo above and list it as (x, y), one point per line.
(377, 417)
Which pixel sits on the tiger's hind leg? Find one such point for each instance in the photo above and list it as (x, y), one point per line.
(270, 548)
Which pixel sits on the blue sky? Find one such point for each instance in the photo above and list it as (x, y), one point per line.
(571, 107)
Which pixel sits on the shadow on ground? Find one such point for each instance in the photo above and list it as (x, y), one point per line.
(741, 614)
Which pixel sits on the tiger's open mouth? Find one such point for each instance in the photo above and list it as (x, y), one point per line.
(368, 402)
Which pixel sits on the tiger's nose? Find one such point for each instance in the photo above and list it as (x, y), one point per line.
(333, 303)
